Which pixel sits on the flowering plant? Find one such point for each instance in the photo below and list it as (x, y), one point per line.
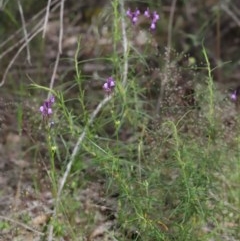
(46, 108)
(109, 85)
(133, 15)
(154, 17)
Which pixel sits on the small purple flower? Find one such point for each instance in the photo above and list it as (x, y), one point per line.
(154, 17)
(109, 85)
(147, 13)
(133, 15)
(233, 96)
(46, 108)
(153, 26)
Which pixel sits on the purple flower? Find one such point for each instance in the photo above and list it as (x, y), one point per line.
(133, 15)
(46, 108)
(233, 96)
(109, 85)
(154, 17)
(153, 26)
(147, 13)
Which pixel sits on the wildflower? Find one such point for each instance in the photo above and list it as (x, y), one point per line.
(233, 96)
(147, 13)
(109, 85)
(46, 108)
(154, 17)
(133, 15)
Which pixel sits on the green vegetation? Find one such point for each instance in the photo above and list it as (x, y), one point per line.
(150, 156)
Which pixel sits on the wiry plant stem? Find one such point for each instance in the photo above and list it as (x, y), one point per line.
(81, 138)
(21, 224)
(46, 18)
(168, 49)
(24, 32)
(16, 55)
(61, 27)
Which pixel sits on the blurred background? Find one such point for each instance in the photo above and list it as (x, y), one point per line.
(212, 23)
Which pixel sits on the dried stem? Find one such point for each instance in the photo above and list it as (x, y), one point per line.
(28, 23)
(230, 13)
(26, 40)
(61, 27)
(81, 138)
(124, 43)
(46, 18)
(24, 32)
(54, 73)
(18, 42)
(16, 55)
(21, 224)
(169, 44)
(59, 48)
